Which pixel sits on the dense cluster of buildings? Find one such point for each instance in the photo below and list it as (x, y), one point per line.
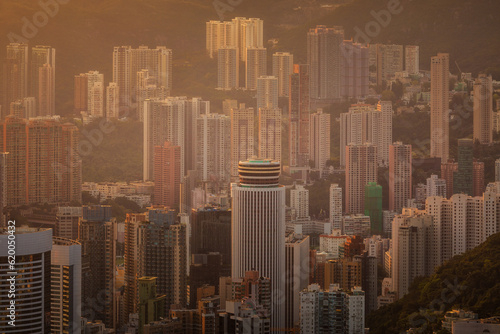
(219, 243)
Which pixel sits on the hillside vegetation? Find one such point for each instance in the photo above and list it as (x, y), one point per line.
(470, 281)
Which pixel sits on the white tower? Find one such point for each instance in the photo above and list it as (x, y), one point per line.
(258, 216)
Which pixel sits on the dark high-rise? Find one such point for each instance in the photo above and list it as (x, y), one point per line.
(463, 177)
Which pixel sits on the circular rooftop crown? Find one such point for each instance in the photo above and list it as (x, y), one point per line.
(259, 172)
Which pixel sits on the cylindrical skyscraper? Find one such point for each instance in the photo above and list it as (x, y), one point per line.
(25, 270)
(258, 228)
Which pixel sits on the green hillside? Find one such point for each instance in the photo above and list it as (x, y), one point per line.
(470, 281)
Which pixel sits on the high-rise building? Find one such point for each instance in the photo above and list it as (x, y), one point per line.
(249, 306)
(67, 222)
(242, 137)
(448, 169)
(435, 186)
(259, 204)
(32, 283)
(155, 246)
(41, 55)
(241, 33)
(213, 148)
(299, 117)
(324, 56)
(97, 235)
(373, 207)
(297, 275)
(400, 176)
(270, 134)
(250, 34)
(132, 264)
(483, 109)
(361, 168)
(364, 123)
(412, 59)
(255, 66)
(127, 62)
(228, 68)
(219, 35)
(319, 139)
(43, 164)
(167, 175)
(463, 177)
(440, 121)
(46, 91)
(95, 95)
(355, 70)
(389, 61)
(346, 272)
(211, 232)
(66, 286)
(151, 305)
(282, 69)
(81, 94)
(121, 73)
(412, 249)
(478, 178)
(147, 88)
(112, 101)
(15, 75)
(173, 120)
(336, 206)
(299, 200)
(267, 92)
(356, 225)
(335, 318)
(497, 170)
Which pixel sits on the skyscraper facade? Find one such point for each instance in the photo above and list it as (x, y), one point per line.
(213, 148)
(324, 56)
(400, 176)
(270, 133)
(440, 122)
(255, 66)
(483, 109)
(389, 61)
(242, 137)
(319, 148)
(43, 165)
(282, 69)
(463, 177)
(41, 55)
(15, 75)
(365, 123)
(228, 69)
(412, 59)
(354, 69)
(46, 90)
(299, 117)
(112, 101)
(97, 235)
(66, 286)
(361, 168)
(336, 206)
(167, 175)
(267, 92)
(32, 282)
(259, 205)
